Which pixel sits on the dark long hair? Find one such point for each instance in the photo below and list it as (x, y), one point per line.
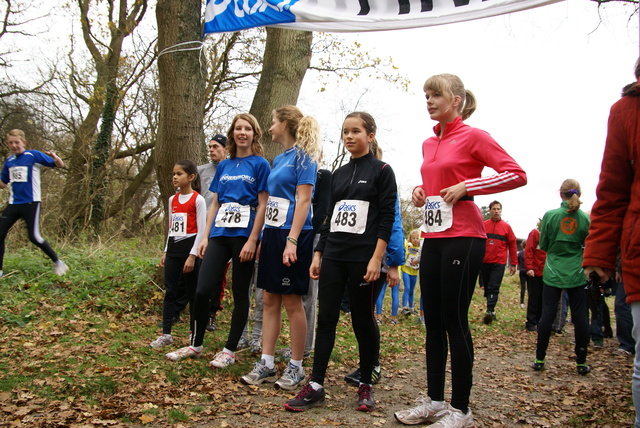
(190, 167)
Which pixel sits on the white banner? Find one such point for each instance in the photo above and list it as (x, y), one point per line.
(353, 15)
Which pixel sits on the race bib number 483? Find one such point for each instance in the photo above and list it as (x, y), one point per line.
(232, 214)
(350, 216)
(438, 215)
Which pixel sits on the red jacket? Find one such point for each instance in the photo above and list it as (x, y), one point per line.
(617, 208)
(534, 257)
(461, 155)
(500, 237)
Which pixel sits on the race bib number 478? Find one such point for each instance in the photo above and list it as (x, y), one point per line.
(232, 214)
(438, 215)
(350, 216)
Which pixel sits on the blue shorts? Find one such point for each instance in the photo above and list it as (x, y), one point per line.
(273, 275)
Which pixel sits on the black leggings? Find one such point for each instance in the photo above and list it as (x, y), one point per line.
(31, 214)
(180, 287)
(448, 274)
(219, 251)
(334, 277)
(579, 318)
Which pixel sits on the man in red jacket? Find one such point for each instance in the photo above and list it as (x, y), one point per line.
(614, 217)
(534, 259)
(500, 240)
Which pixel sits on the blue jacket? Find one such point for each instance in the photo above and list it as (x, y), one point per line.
(394, 255)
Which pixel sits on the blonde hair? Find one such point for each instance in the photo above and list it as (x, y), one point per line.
(414, 231)
(256, 146)
(370, 127)
(450, 86)
(16, 133)
(570, 192)
(305, 130)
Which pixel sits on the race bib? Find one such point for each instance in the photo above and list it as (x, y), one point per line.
(19, 174)
(232, 214)
(178, 224)
(350, 216)
(276, 214)
(438, 215)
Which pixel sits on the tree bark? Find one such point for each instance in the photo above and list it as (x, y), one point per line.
(287, 56)
(182, 88)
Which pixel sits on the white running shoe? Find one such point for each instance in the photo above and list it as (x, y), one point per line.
(291, 378)
(453, 418)
(260, 373)
(222, 360)
(162, 341)
(424, 412)
(183, 353)
(59, 268)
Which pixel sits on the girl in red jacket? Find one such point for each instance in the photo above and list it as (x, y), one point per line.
(454, 243)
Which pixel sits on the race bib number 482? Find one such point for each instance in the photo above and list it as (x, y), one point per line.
(350, 216)
(438, 215)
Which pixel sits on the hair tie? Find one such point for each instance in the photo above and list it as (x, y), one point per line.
(573, 192)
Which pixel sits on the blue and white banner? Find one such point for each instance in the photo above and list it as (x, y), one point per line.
(353, 15)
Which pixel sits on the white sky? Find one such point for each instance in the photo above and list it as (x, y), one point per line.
(544, 80)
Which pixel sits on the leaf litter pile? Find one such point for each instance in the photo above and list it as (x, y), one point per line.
(92, 367)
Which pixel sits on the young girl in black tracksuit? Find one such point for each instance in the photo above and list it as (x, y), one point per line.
(352, 244)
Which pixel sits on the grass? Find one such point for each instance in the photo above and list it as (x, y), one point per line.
(83, 338)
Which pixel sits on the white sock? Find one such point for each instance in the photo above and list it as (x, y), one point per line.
(268, 360)
(296, 363)
(316, 386)
(232, 353)
(198, 349)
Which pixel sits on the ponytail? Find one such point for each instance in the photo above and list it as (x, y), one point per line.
(570, 191)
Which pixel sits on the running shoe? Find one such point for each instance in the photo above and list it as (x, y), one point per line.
(291, 378)
(306, 399)
(583, 369)
(255, 346)
(212, 324)
(538, 365)
(424, 412)
(243, 343)
(354, 378)
(222, 360)
(162, 341)
(453, 418)
(260, 373)
(183, 353)
(59, 268)
(365, 398)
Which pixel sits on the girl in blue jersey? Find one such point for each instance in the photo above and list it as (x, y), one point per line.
(234, 222)
(351, 247)
(21, 174)
(287, 243)
(187, 219)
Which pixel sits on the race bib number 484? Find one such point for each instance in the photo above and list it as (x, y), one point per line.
(438, 215)
(350, 216)
(232, 214)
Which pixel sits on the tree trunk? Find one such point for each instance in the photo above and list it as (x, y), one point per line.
(182, 87)
(287, 56)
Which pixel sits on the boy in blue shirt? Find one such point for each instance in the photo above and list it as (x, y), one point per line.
(21, 174)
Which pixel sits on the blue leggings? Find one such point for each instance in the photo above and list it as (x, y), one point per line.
(409, 288)
(394, 299)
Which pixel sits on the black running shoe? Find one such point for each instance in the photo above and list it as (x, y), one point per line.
(365, 398)
(212, 324)
(353, 378)
(306, 399)
(583, 369)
